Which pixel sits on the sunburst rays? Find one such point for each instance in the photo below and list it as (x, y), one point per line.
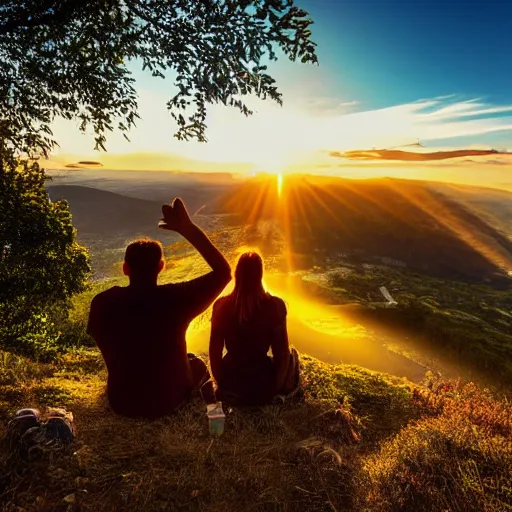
(314, 208)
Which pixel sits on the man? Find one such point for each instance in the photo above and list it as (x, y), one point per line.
(140, 329)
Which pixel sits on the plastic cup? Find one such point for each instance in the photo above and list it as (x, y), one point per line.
(216, 425)
(216, 419)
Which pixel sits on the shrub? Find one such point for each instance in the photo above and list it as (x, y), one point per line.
(41, 264)
(457, 458)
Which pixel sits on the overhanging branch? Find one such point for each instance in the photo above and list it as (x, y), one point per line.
(50, 13)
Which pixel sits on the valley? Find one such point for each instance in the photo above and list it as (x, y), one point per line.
(329, 244)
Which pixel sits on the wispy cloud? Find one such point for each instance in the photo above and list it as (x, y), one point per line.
(426, 120)
(469, 108)
(325, 106)
(416, 156)
(309, 125)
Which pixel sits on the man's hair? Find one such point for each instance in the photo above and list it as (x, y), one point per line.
(143, 257)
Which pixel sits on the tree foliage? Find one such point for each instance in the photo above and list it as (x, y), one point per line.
(73, 59)
(41, 264)
(69, 58)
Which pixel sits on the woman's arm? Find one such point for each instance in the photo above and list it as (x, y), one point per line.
(280, 350)
(216, 344)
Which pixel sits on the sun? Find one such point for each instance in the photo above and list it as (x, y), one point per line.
(276, 165)
(279, 184)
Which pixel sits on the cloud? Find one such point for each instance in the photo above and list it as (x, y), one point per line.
(302, 128)
(468, 108)
(280, 135)
(414, 156)
(145, 161)
(325, 106)
(427, 120)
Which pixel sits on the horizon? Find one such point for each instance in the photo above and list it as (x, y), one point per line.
(478, 174)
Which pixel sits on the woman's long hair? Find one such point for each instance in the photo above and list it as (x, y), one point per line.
(249, 291)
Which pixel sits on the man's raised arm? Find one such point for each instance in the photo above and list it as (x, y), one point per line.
(176, 218)
(196, 236)
(198, 293)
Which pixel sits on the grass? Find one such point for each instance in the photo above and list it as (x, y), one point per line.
(459, 459)
(360, 441)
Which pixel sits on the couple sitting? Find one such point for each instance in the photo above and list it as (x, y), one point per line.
(140, 330)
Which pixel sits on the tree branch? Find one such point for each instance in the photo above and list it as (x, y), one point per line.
(61, 11)
(148, 19)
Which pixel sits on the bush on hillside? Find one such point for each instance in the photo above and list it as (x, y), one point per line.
(457, 458)
(41, 264)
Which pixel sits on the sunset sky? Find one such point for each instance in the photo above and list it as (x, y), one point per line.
(390, 73)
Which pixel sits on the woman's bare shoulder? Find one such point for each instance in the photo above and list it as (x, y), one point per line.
(278, 304)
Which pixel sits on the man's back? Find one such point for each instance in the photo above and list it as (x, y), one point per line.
(141, 334)
(140, 329)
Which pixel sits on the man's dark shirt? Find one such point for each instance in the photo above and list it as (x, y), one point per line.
(141, 334)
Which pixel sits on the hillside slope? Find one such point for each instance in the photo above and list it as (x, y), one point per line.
(101, 213)
(358, 440)
(408, 221)
(493, 205)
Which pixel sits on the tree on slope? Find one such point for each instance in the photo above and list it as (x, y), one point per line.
(41, 264)
(69, 59)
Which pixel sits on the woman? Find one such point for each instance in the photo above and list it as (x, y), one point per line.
(248, 323)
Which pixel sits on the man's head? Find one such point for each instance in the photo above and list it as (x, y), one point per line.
(143, 260)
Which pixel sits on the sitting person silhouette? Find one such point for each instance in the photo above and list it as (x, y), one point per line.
(248, 322)
(140, 328)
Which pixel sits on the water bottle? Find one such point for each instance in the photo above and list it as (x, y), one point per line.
(216, 418)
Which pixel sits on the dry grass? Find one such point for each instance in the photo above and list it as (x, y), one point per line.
(337, 451)
(458, 459)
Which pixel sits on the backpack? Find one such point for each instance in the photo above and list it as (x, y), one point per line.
(29, 431)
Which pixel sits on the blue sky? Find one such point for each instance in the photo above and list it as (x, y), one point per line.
(390, 72)
(387, 52)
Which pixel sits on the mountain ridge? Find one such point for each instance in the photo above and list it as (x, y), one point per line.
(406, 220)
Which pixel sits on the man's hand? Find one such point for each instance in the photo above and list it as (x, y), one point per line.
(176, 217)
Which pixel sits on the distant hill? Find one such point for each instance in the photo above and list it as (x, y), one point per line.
(493, 205)
(196, 188)
(418, 223)
(101, 213)
(446, 230)
(107, 221)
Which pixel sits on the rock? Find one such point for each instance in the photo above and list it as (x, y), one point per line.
(70, 498)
